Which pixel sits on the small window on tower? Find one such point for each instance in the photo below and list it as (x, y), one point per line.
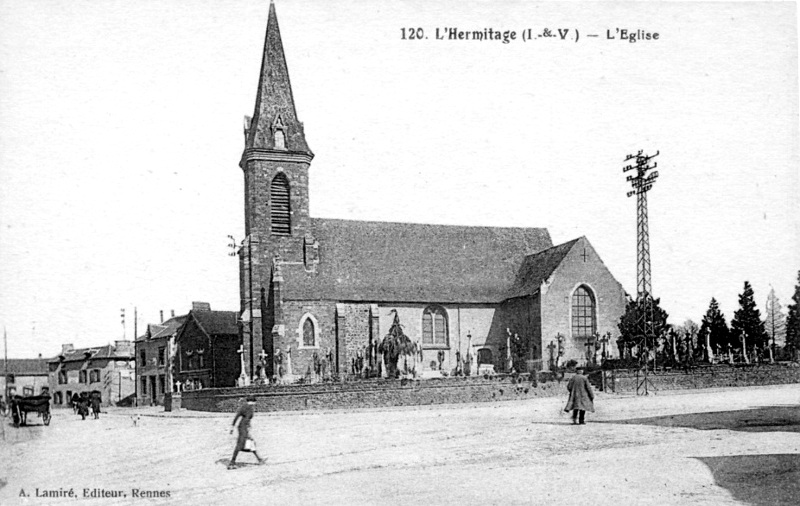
(280, 139)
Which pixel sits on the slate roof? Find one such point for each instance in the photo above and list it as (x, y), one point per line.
(407, 262)
(25, 366)
(94, 353)
(538, 268)
(274, 98)
(217, 322)
(166, 329)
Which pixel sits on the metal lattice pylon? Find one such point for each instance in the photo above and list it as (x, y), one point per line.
(642, 182)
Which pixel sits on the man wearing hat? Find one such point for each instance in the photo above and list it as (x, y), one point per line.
(244, 443)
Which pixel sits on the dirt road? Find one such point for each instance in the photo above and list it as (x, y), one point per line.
(729, 446)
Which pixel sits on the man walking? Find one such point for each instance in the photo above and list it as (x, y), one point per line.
(581, 397)
(244, 443)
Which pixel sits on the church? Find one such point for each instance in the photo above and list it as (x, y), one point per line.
(314, 287)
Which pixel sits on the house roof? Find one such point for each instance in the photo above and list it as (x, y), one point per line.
(217, 322)
(380, 261)
(25, 366)
(537, 268)
(165, 329)
(95, 353)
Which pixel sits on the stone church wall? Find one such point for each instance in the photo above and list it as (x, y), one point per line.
(486, 323)
(353, 330)
(324, 312)
(556, 306)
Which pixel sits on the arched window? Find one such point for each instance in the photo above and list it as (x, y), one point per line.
(280, 139)
(434, 326)
(308, 332)
(583, 313)
(279, 210)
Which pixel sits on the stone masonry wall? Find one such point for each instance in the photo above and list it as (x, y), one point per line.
(324, 312)
(556, 301)
(354, 332)
(373, 393)
(709, 377)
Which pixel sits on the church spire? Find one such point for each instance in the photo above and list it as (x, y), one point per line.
(274, 125)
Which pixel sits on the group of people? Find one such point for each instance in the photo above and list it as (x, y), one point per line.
(81, 404)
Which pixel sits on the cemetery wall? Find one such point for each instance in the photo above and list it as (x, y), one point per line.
(626, 381)
(374, 393)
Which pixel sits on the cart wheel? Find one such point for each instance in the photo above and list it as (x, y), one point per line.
(47, 418)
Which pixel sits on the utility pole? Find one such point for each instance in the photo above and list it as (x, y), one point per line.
(5, 362)
(642, 182)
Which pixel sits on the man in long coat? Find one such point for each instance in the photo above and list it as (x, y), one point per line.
(581, 397)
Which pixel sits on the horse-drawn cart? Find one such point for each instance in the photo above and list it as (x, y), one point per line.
(21, 406)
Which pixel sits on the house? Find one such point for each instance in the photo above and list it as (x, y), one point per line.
(106, 369)
(314, 287)
(154, 353)
(23, 376)
(206, 349)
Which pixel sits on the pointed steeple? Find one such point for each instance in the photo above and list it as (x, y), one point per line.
(274, 125)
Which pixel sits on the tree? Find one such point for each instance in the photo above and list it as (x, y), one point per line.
(747, 324)
(395, 344)
(631, 324)
(774, 322)
(793, 322)
(714, 332)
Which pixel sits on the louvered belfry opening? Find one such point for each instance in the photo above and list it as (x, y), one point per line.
(280, 211)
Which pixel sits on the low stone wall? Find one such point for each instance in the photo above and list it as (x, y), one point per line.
(373, 393)
(627, 381)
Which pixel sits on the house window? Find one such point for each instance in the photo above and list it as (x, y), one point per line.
(82, 374)
(142, 358)
(485, 356)
(10, 379)
(434, 326)
(57, 398)
(27, 390)
(201, 359)
(94, 376)
(280, 209)
(162, 356)
(583, 313)
(62, 377)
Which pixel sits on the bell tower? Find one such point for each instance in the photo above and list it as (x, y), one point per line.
(275, 163)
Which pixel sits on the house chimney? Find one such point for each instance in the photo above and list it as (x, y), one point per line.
(67, 348)
(161, 313)
(172, 312)
(201, 306)
(123, 348)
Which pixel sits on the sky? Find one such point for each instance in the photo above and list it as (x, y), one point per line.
(121, 133)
